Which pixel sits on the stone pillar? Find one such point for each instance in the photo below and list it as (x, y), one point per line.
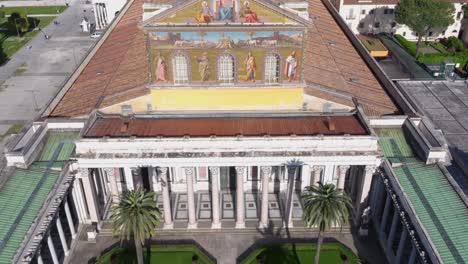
(189, 173)
(412, 258)
(363, 192)
(401, 245)
(63, 240)
(317, 174)
(342, 176)
(395, 223)
(240, 208)
(50, 244)
(265, 174)
(91, 197)
(128, 178)
(385, 213)
(39, 258)
(214, 171)
(291, 171)
(78, 200)
(69, 219)
(168, 224)
(110, 172)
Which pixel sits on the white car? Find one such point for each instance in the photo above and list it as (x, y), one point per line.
(96, 35)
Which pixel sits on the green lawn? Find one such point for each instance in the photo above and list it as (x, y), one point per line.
(14, 129)
(173, 254)
(10, 43)
(34, 10)
(301, 253)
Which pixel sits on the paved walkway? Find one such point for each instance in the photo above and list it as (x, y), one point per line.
(44, 65)
(226, 245)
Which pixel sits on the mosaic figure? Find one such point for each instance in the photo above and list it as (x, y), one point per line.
(290, 71)
(226, 11)
(247, 13)
(251, 67)
(204, 67)
(161, 69)
(205, 15)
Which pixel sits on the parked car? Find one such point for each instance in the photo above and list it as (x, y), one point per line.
(96, 35)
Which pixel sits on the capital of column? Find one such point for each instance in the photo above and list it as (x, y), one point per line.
(109, 172)
(189, 171)
(83, 172)
(317, 168)
(344, 168)
(266, 170)
(162, 170)
(240, 170)
(370, 169)
(214, 171)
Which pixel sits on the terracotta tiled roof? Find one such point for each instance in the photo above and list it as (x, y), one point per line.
(119, 70)
(118, 67)
(331, 61)
(225, 126)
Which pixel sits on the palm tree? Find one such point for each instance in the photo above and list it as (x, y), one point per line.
(324, 206)
(135, 216)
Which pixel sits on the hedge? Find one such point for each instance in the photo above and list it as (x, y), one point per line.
(433, 58)
(408, 45)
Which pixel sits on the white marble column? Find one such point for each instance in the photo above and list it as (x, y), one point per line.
(78, 200)
(91, 197)
(63, 240)
(265, 174)
(240, 208)
(128, 178)
(317, 174)
(39, 258)
(214, 171)
(189, 173)
(110, 172)
(162, 171)
(363, 192)
(53, 253)
(401, 245)
(69, 219)
(291, 171)
(342, 176)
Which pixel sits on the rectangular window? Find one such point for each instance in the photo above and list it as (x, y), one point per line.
(361, 25)
(377, 24)
(459, 15)
(272, 69)
(363, 12)
(179, 65)
(226, 69)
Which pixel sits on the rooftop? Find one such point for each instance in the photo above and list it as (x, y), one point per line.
(117, 126)
(440, 208)
(26, 191)
(118, 69)
(384, 2)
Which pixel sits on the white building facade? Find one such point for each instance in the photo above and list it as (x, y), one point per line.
(373, 17)
(105, 11)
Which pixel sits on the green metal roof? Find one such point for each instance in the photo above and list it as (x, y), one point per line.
(52, 142)
(26, 191)
(440, 209)
(13, 198)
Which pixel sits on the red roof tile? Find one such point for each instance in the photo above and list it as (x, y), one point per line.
(225, 126)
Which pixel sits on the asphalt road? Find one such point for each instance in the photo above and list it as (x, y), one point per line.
(46, 63)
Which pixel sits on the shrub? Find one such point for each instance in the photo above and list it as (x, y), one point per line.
(2, 14)
(454, 44)
(408, 45)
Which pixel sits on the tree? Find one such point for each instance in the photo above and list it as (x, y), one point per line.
(422, 16)
(18, 23)
(135, 216)
(324, 206)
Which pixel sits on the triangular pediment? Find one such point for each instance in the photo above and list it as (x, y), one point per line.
(224, 12)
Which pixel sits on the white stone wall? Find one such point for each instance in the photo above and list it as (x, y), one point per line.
(105, 11)
(356, 14)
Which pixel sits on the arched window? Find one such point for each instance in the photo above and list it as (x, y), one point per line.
(272, 68)
(226, 71)
(180, 68)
